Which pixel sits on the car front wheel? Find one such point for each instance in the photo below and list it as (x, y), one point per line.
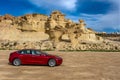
(52, 62)
(16, 62)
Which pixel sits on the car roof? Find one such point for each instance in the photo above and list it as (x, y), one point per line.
(30, 49)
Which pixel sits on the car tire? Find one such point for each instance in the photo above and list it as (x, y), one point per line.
(16, 62)
(52, 62)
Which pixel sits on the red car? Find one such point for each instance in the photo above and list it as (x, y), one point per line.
(31, 56)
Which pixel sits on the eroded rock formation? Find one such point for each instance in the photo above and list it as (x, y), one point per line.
(57, 26)
(41, 31)
(31, 22)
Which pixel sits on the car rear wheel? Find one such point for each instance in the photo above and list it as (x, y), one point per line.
(52, 62)
(16, 62)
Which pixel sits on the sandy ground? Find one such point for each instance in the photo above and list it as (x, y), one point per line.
(76, 66)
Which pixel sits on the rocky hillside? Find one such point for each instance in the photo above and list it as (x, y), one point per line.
(50, 32)
(23, 28)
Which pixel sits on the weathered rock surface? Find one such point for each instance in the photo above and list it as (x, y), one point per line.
(31, 22)
(48, 33)
(57, 26)
(48, 45)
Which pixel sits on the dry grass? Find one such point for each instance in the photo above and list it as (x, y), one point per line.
(76, 66)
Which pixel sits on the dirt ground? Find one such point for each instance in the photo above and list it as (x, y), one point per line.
(76, 66)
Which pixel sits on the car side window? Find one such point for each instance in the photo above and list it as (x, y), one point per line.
(28, 52)
(22, 52)
(35, 52)
(38, 52)
(25, 52)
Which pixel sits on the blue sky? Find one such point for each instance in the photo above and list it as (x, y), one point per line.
(100, 15)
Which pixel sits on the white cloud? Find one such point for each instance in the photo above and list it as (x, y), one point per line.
(112, 19)
(100, 22)
(56, 4)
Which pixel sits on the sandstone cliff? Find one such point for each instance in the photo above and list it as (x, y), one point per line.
(44, 32)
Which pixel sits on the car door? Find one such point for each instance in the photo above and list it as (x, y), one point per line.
(26, 57)
(38, 57)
